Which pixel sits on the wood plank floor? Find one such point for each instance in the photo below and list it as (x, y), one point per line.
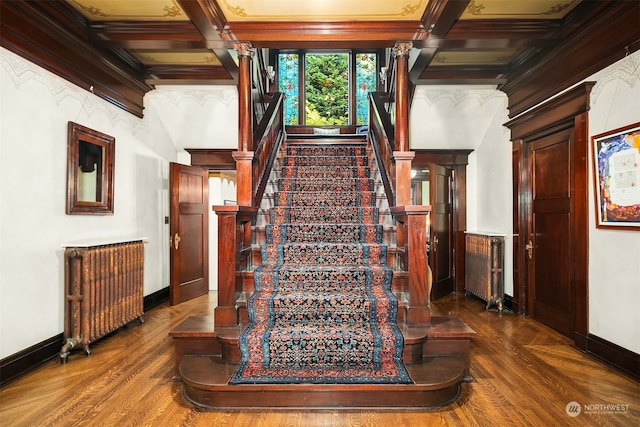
(524, 375)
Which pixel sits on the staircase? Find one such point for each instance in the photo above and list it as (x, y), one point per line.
(322, 324)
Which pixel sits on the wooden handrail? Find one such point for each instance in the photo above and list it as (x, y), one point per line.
(381, 136)
(267, 138)
(410, 220)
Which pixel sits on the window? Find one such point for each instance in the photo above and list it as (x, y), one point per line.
(336, 86)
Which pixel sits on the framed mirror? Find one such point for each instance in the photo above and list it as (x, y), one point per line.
(90, 159)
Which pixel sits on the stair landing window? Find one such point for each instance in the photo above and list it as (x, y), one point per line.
(336, 86)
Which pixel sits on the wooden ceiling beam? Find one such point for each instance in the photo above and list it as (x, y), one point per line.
(440, 15)
(207, 17)
(280, 34)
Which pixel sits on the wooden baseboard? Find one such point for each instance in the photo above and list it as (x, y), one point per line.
(24, 361)
(18, 364)
(156, 298)
(619, 357)
(510, 303)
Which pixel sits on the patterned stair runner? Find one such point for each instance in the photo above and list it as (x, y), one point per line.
(323, 311)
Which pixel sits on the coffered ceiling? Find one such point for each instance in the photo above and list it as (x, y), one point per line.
(179, 40)
(131, 45)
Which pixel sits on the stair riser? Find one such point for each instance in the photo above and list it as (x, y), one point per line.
(326, 184)
(293, 233)
(332, 151)
(325, 172)
(326, 198)
(326, 215)
(324, 254)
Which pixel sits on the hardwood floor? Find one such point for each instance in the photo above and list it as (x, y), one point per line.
(524, 374)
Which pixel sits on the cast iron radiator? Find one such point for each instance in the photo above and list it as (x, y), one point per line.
(484, 263)
(104, 291)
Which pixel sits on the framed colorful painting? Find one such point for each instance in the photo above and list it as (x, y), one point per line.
(616, 167)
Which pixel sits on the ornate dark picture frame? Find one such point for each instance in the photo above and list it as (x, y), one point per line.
(90, 167)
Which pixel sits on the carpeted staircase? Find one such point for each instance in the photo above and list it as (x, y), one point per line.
(319, 329)
(323, 311)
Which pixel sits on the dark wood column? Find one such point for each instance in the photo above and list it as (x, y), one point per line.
(402, 155)
(244, 155)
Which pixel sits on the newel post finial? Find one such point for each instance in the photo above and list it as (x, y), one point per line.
(245, 49)
(401, 49)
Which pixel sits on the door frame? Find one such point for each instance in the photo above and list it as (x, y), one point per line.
(195, 203)
(457, 161)
(569, 109)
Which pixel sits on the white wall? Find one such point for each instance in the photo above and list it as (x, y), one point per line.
(471, 117)
(614, 255)
(35, 108)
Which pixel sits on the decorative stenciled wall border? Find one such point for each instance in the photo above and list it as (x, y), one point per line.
(457, 96)
(22, 71)
(627, 70)
(225, 95)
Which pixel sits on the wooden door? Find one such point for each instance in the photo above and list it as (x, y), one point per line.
(551, 259)
(549, 247)
(441, 232)
(189, 229)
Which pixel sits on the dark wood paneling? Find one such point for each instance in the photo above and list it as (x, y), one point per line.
(604, 32)
(213, 159)
(27, 29)
(440, 157)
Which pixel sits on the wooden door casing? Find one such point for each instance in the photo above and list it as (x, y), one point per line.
(189, 232)
(550, 165)
(441, 231)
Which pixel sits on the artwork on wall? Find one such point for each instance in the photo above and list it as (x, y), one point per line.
(616, 167)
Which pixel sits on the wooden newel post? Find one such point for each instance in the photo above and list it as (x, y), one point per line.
(244, 155)
(414, 222)
(231, 242)
(402, 155)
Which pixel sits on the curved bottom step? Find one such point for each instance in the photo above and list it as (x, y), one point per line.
(205, 384)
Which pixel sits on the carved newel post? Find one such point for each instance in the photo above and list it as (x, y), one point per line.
(244, 155)
(412, 220)
(402, 156)
(234, 222)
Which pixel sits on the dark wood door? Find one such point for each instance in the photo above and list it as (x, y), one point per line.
(549, 254)
(441, 231)
(189, 228)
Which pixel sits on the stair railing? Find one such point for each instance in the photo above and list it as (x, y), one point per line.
(389, 140)
(257, 150)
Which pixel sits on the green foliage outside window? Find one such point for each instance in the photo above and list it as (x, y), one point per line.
(326, 86)
(327, 89)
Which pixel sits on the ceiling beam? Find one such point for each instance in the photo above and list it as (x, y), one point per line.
(440, 15)
(206, 16)
(285, 34)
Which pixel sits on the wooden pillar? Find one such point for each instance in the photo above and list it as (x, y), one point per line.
(402, 156)
(401, 53)
(414, 228)
(232, 220)
(244, 155)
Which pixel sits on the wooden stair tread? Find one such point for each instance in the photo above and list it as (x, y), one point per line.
(436, 383)
(449, 327)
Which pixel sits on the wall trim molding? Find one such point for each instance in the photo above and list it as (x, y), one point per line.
(18, 364)
(612, 354)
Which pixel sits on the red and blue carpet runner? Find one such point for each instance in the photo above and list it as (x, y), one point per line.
(323, 311)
